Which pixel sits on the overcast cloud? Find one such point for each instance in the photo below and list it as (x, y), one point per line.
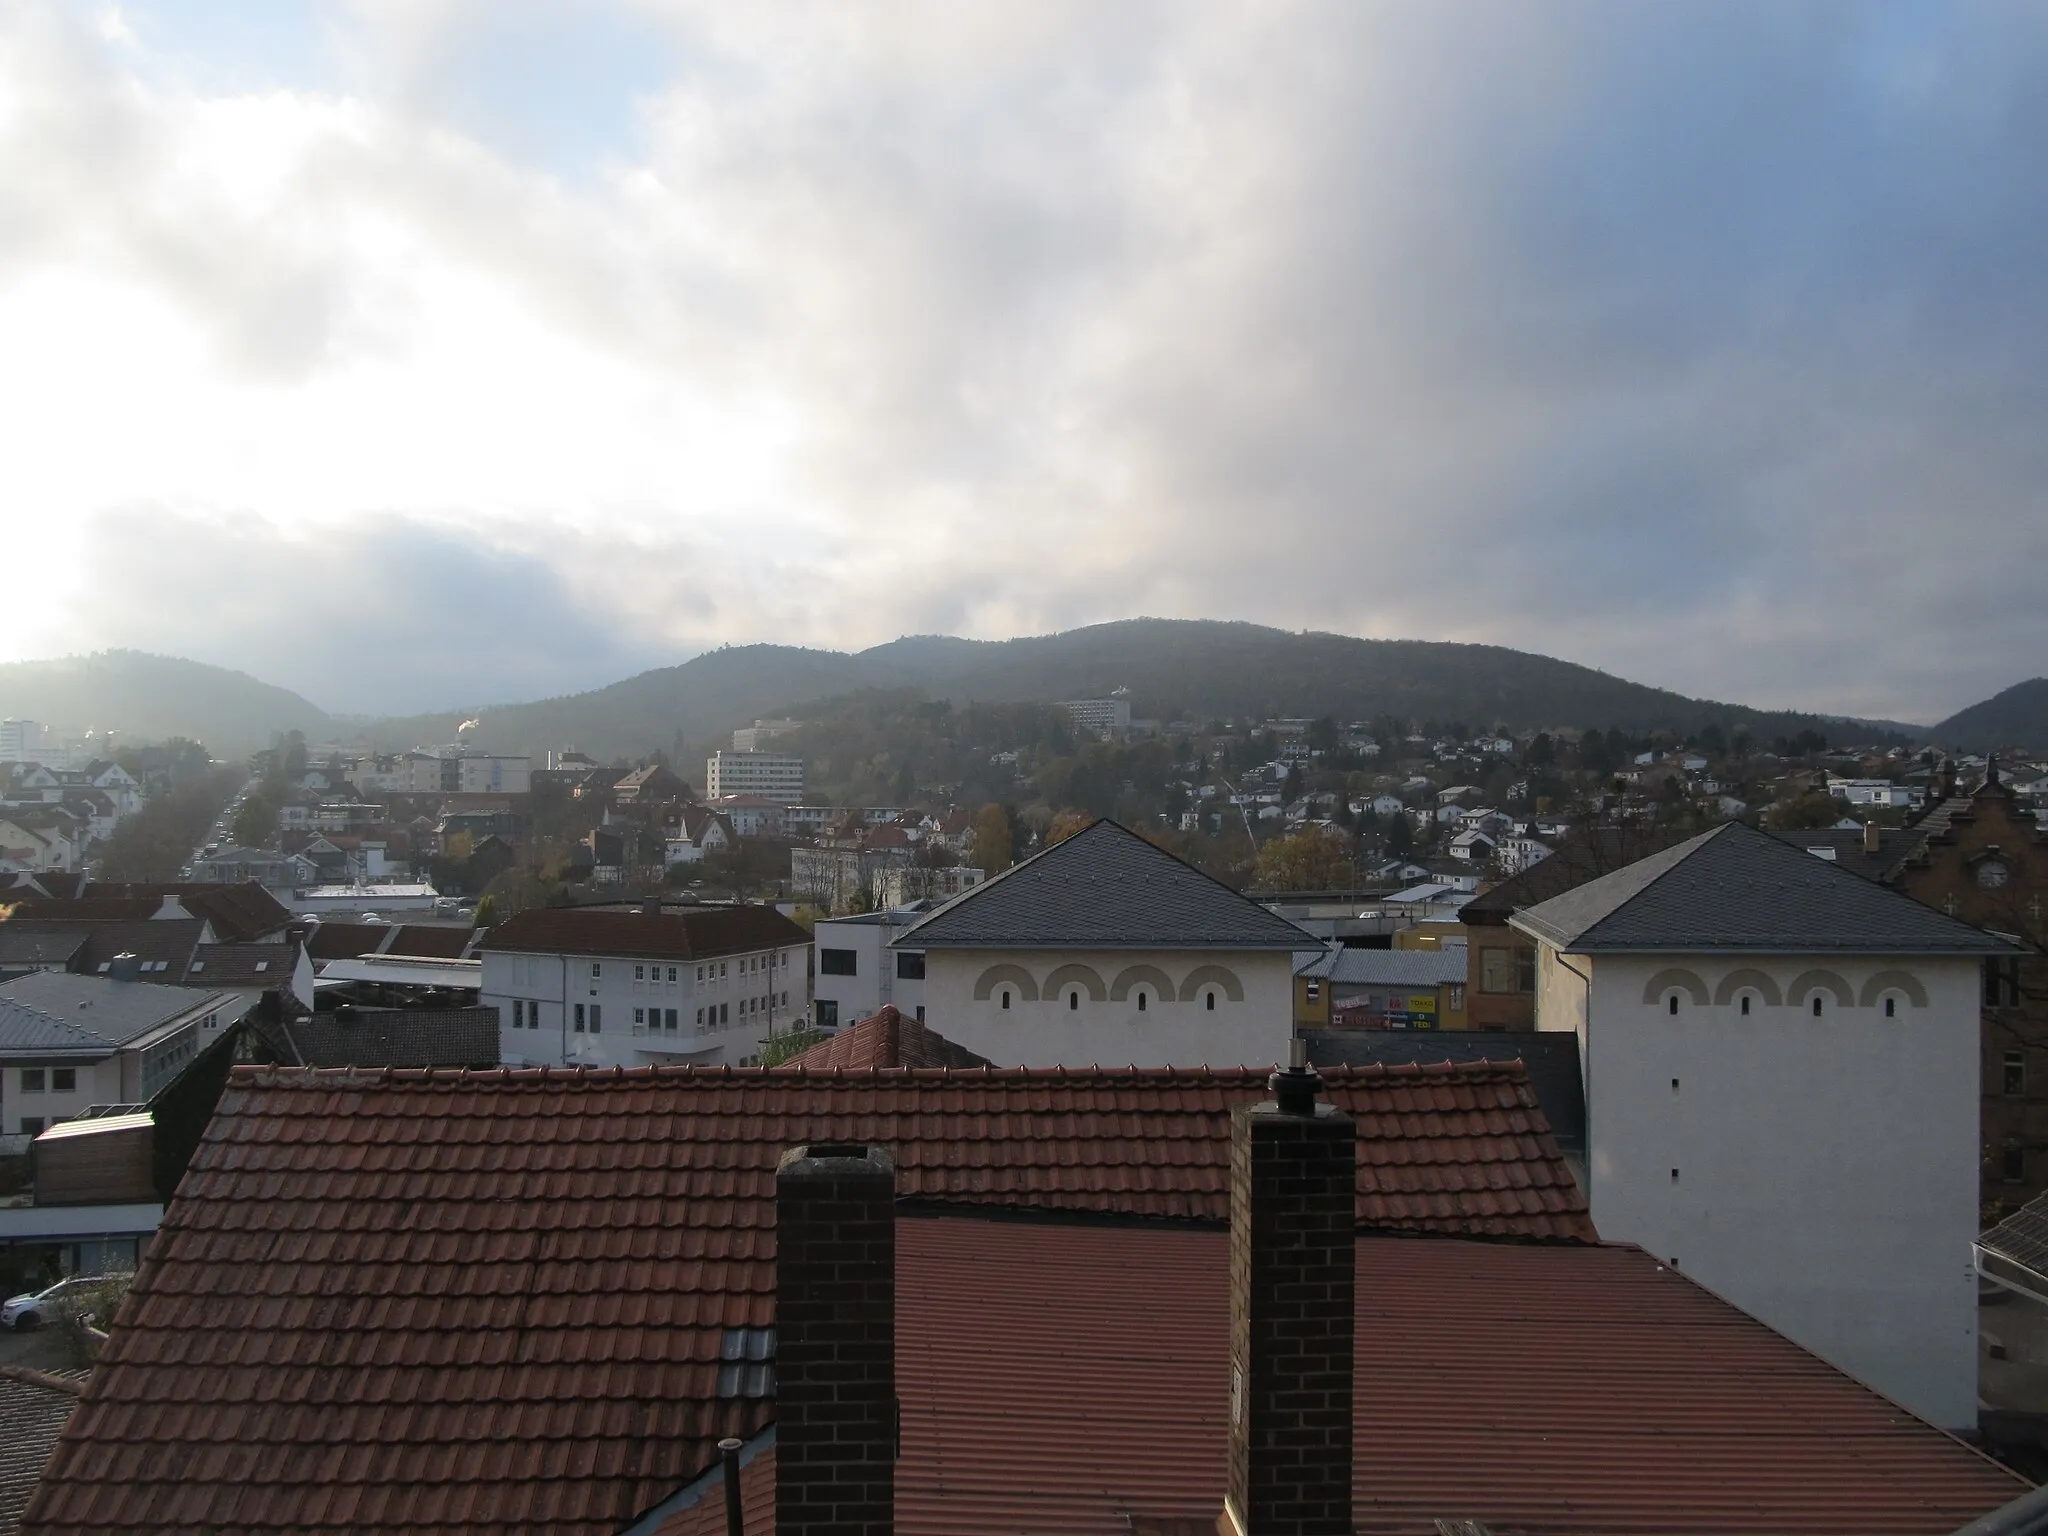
(417, 354)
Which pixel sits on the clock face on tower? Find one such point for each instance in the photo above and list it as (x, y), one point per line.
(1991, 874)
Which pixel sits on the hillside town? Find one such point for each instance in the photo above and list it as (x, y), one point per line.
(1630, 1024)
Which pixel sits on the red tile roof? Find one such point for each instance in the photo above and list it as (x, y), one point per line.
(406, 1300)
(1071, 1378)
(887, 1040)
(662, 935)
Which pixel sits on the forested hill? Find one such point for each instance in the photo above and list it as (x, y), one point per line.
(145, 697)
(2017, 717)
(1171, 667)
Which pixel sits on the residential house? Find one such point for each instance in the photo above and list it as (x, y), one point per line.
(694, 831)
(69, 1042)
(1881, 794)
(750, 815)
(232, 865)
(629, 985)
(624, 1219)
(1472, 847)
(654, 785)
(1106, 948)
(898, 884)
(1518, 852)
(1756, 1026)
(1381, 989)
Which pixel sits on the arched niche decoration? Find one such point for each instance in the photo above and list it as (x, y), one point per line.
(1903, 982)
(1134, 975)
(1211, 976)
(997, 975)
(1675, 976)
(1753, 980)
(1806, 983)
(1086, 977)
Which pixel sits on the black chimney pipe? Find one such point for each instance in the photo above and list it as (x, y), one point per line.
(735, 1522)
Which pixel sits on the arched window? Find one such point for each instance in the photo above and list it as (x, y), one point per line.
(1891, 1005)
(1144, 999)
(1073, 999)
(1671, 1004)
(1006, 997)
(1746, 999)
(1817, 1000)
(1209, 999)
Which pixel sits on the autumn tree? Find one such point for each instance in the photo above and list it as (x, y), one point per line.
(1066, 824)
(993, 839)
(1313, 859)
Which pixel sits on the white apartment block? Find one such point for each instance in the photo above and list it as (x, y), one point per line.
(457, 770)
(626, 986)
(1881, 793)
(21, 741)
(1105, 717)
(777, 776)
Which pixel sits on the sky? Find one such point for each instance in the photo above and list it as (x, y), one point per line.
(422, 353)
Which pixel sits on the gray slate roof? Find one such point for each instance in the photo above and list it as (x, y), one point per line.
(1739, 889)
(1551, 1057)
(1389, 967)
(33, 1410)
(1104, 888)
(386, 1037)
(90, 1015)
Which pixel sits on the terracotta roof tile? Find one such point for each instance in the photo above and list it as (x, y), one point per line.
(887, 1040)
(377, 1288)
(1071, 1379)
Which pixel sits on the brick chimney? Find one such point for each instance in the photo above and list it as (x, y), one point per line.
(1871, 841)
(1293, 1259)
(835, 1342)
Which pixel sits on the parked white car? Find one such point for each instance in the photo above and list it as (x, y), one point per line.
(32, 1311)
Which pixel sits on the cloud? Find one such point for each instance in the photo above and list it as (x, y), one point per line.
(1698, 342)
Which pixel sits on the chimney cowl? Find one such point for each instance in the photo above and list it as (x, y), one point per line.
(1295, 1088)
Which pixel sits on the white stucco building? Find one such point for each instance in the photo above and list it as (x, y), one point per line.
(1105, 949)
(643, 985)
(859, 974)
(774, 776)
(1781, 1075)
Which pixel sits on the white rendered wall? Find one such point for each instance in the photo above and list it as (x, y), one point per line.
(557, 984)
(1826, 1168)
(874, 984)
(1048, 1032)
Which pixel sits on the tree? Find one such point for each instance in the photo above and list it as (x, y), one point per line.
(1314, 859)
(1290, 791)
(993, 838)
(487, 911)
(1066, 824)
(256, 821)
(1813, 809)
(1400, 837)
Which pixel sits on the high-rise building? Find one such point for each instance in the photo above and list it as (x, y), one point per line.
(21, 741)
(1105, 717)
(776, 776)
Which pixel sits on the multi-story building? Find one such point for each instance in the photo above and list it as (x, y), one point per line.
(1105, 717)
(69, 1042)
(465, 770)
(752, 738)
(777, 776)
(1880, 793)
(634, 985)
(859, 974)
(1104, 948)
(1781, 1078)
(21, 741)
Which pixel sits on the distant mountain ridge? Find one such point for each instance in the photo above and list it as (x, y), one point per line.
(146, 697)
(1204, 668)
(2014, 717)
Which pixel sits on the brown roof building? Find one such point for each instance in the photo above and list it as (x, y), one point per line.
(537, 1300)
